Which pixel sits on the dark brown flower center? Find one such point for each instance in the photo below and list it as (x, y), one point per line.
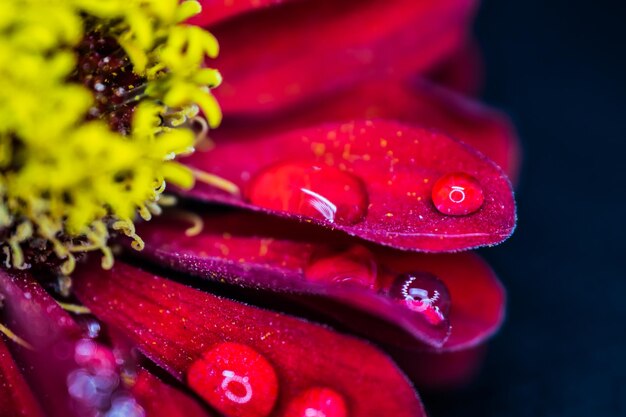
(105, 69)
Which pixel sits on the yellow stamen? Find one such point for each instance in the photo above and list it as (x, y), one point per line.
(197, 225)
(15, 338)
(69, 168)
(74, 308)
(216, 181)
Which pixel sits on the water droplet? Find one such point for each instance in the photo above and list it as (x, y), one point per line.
(457, 194)
(317, 402)
(317, 191)
(424, 294)
(94, 356)
(236, 380)
(93, 329)
(355, 265)
(96, 380)
(125, 406)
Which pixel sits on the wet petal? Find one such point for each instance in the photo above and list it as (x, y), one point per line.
(478, 297)
(369, 179)
(184, 330)
(417, 102)
(36, 318)
(70, 373)
(16, 398)
(162, 400)
(264, 69)
(333, 274)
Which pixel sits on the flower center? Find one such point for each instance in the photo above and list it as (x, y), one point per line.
(106, 70)
(97, 98)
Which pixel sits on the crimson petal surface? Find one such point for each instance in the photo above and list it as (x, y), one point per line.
(264, 69)
(371, 179)
(177, 326)
(258, 251)
(16, 398)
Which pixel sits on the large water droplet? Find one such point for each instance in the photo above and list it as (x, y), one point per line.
(317, 402)
(424, 294)
(311, 190)
(236, 380)
(355, 265)
(457, 194)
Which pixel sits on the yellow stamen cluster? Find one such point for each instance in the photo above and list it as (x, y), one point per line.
(67, 179)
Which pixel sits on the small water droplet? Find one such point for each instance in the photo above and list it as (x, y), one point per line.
(94, 383)
(457, 194)
(424, 294)
(94, 356)
(125, 406)
(317, 191)
(355, 265)
(93, 329)
(317, 402)
(236, 380)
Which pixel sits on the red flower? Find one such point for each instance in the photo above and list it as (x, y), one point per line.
(349, 172)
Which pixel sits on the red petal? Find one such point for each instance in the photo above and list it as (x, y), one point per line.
(34, 316)
(441, 370)
(397, 167)
(161, 400)
(256, 251)
(462, 71)
(70, 374)
(275, 57)
(417, 102)
(16, 399)
(478, 298)
(214, 11)
(252, 250)
(175, 326)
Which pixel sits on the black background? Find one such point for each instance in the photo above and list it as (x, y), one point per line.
(558, 68)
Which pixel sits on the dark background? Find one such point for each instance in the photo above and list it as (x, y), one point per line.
(558, 68)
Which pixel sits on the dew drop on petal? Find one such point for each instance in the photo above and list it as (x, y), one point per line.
(94, 356)
(424, 294)
(236, 380)
(93, 329)
(317, 402)
(457, 194)
(355, 265)
(125, 406)
(96, 381)
(320, 192)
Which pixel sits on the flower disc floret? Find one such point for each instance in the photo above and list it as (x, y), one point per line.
(97, 99)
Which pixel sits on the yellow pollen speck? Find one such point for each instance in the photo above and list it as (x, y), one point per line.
(264, 246)
(318, 149)
(225, 250)
(383, 143)
(388, 214)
